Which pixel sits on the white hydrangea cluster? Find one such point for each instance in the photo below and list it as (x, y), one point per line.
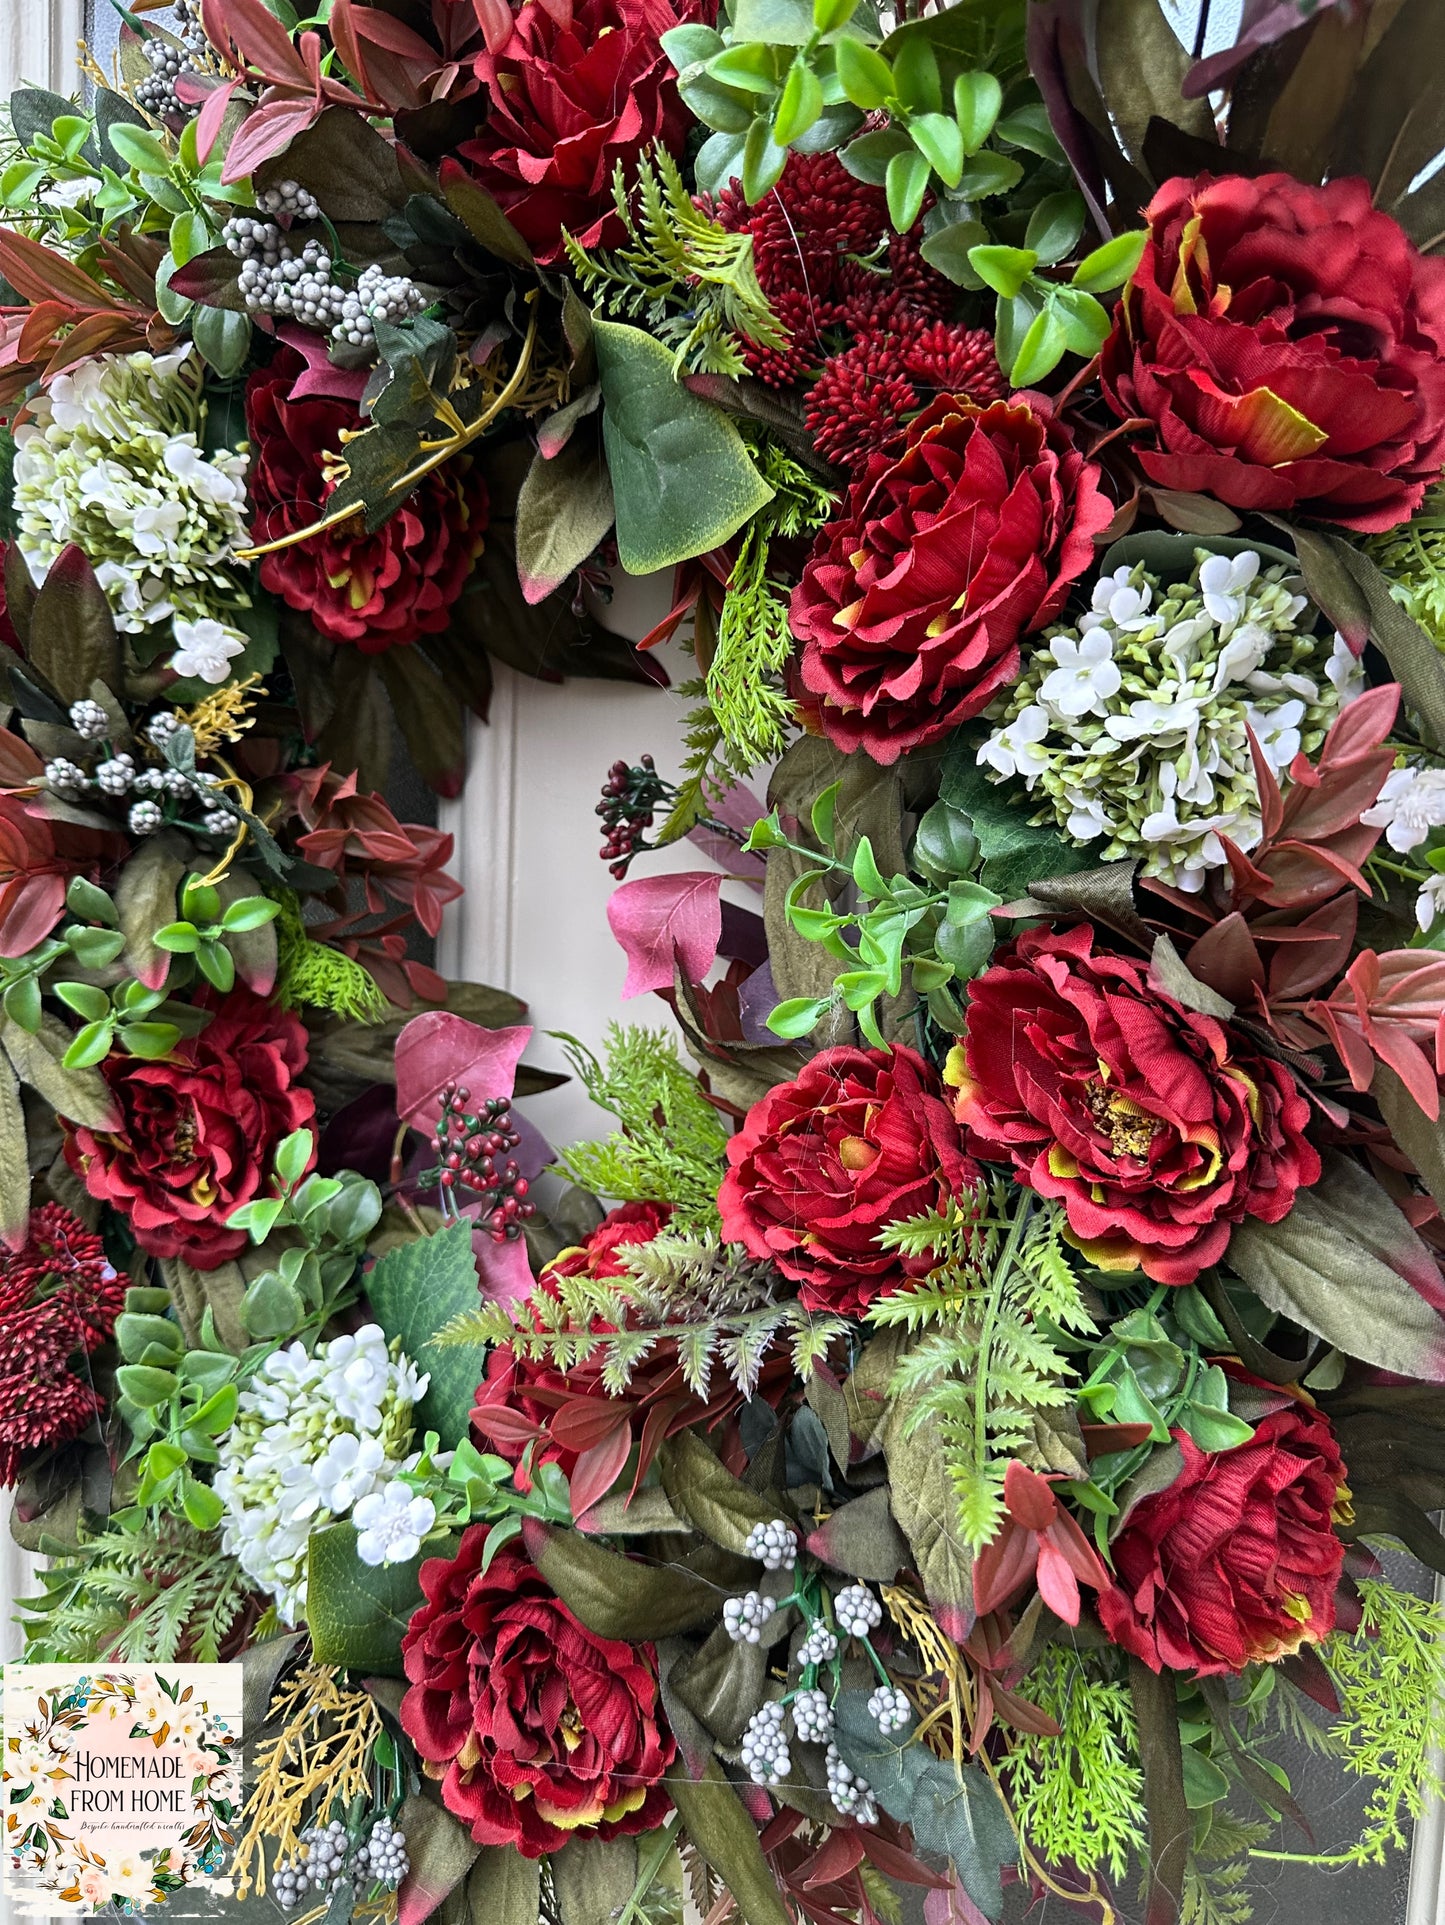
(111, 458)
(313, 1436)
(1134, 724)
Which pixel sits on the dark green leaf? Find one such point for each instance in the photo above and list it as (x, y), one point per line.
(719, 1827)
(564, 509)
(357, 1613)
(1055, 225)
(683, 480)
(615, 1596)
(503, 1888)
(709, 1496)
(72, 631)
(956, 1813)
(414, 1290)
(14, 1159)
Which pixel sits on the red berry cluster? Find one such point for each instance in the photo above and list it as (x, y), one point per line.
(470, 1144)
(630, 797)
(59, 1299)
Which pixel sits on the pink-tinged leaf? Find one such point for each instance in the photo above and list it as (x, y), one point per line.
(260, 39)
(440, 1048)
(31, 914)
(383, 31)
(211, 116)
(598, 1469)
(37, 274)
(1058, 1587)
(503, 1269)
(1362, 725)
(506, 1428)
(266, 133)
(666, 921)
(321, 379)
(494, 17)
(737, 808)
(951, 1906)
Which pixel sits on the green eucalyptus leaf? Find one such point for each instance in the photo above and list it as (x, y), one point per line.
(867, 157)
(937, 138)
(864, 75)
(1112, 264)
(1055, 226)
(800, 105)
(906, 182)
(799, 1015)
(1041, 349)
(1004, 269)
(682, 479)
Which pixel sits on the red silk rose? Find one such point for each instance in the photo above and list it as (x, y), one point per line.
(1154, 1126)
(374, 591)
(1288, 344)
(1237, 1562)
(861, 1139)
(914, 598)
(542, 1728)
(577, 89)
(198, 1130)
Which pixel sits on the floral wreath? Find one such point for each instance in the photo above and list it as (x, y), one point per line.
(166, 1713)
(950, 1432)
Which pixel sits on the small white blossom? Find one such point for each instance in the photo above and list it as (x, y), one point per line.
(391, 1523)
(1222, 582)
(1409, 806)
(1346, 671)
(206, 648)
(110, 457)
(1132, 728)
(1086, 676)
(315, 1435)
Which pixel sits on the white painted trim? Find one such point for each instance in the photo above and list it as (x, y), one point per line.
(38, 43)
(476, 940)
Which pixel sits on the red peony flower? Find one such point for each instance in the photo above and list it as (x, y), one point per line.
(1288, 344)
(1237, 1562)
(568, 1417)
(354, 834)
(861, 1139)
(536, 1727)
(580, 86)
(198, 1130)
(914, 598)
(375, 591)
(59, 1299)
(1152, 1123)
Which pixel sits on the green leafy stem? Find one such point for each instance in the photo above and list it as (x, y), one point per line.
(938, 935)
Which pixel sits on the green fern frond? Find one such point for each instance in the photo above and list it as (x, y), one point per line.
(679, 272)
(672, 1144)
(147, 1592)
(1079, 1798)
(987, 1317)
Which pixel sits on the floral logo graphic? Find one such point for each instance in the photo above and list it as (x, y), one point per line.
(121, 1787)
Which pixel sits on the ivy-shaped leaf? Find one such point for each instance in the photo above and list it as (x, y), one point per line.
(357, 1613)
(415, 1290)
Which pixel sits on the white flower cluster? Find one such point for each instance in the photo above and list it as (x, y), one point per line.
(775, 1545)
(1134, 725)
(313, 1437)
(111, 458)
(1410, 806)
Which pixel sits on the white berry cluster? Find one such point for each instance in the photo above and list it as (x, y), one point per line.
(168, 60)
(279, 278)
(314, 1434)
(383, 1857)
(745, 1617)
(774, 1545)
(115, 775)
(812, 1717)
(1134, 725)
(857, 1610)
(765, 1754)
(89, 720)
(819, 1647)
(322, 1854)
(111, 458)
(890, 1710)
(852, 1796)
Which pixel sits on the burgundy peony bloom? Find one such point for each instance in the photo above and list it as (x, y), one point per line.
(198, 1130)
(374, 591)
(579, 86)
(1152, 1123)
(1237, 1562)
(535, 1726)
(59, 1299)
(914, 598)
(1288, 344)
(861, 1139)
